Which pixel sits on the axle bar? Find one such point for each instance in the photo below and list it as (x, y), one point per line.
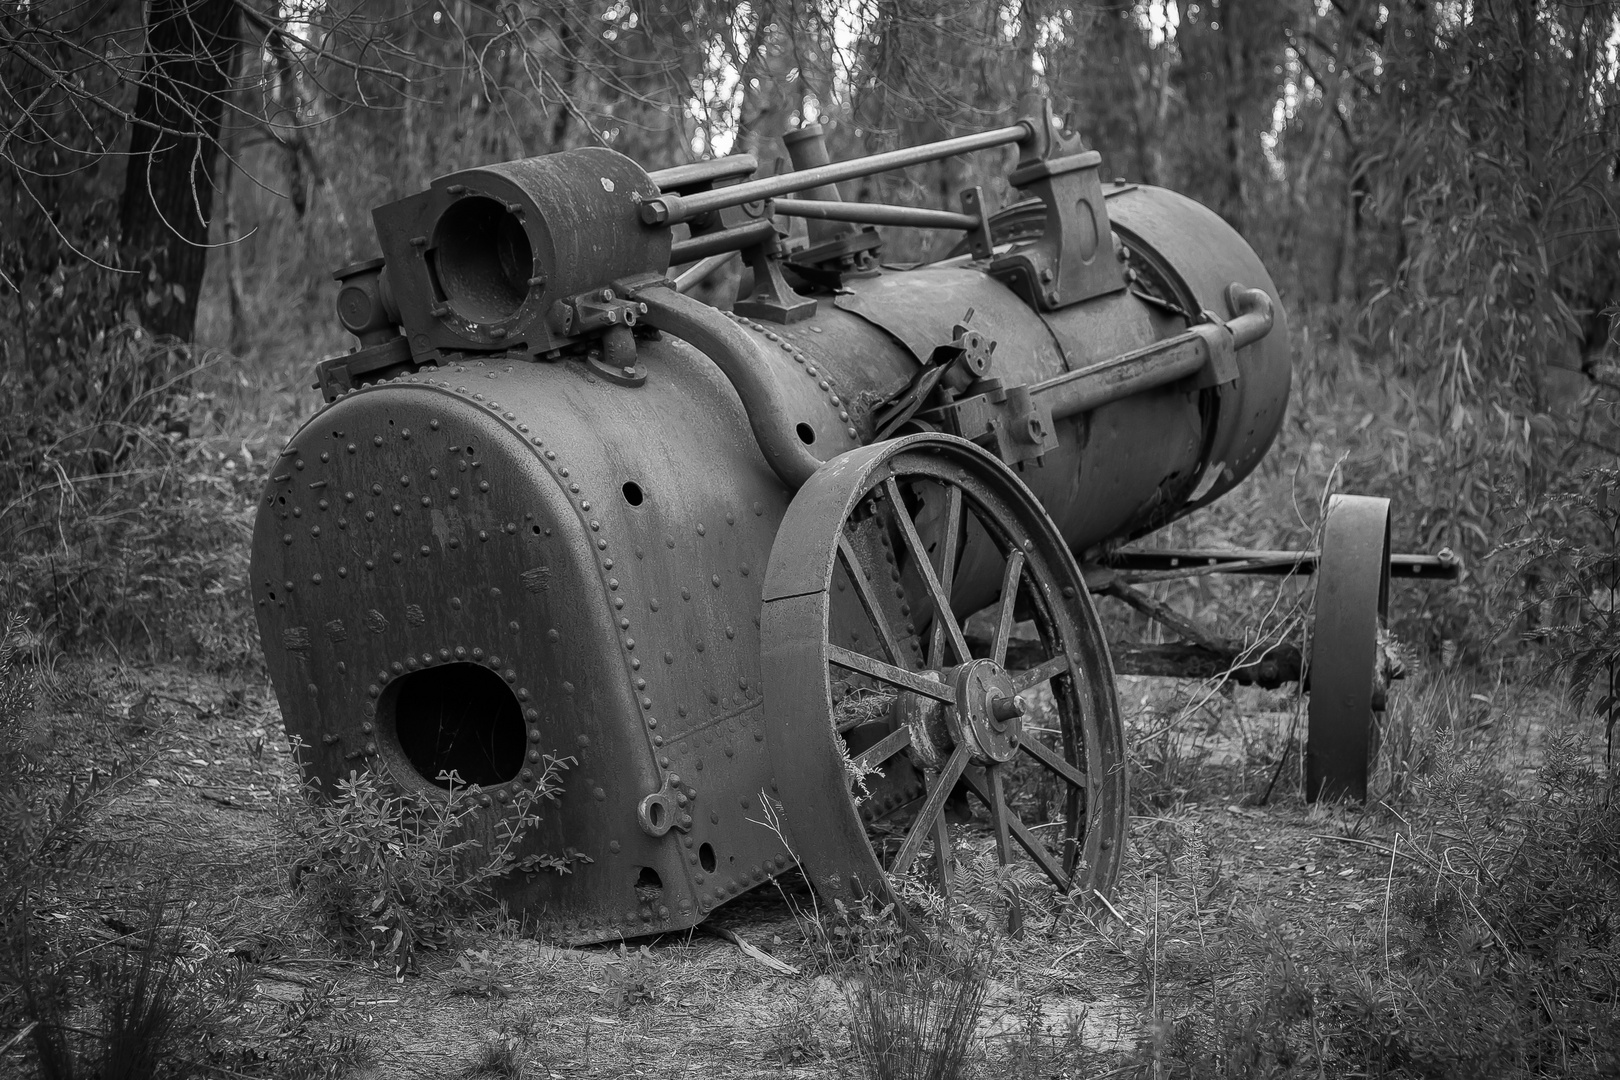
(875, 214)
(1268, 669)
(673, 209)
(1166, 563)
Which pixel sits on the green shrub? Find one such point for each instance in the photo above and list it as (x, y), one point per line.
(389, 867)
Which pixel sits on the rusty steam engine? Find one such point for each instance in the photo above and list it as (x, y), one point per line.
(779, 579)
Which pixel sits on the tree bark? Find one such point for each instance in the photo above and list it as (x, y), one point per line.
(169, 184)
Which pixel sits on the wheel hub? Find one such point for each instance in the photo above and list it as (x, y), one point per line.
(988, 716)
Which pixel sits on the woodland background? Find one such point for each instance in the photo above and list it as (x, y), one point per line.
(1432, 183)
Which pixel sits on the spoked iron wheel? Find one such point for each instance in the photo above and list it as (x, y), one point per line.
(878, 707)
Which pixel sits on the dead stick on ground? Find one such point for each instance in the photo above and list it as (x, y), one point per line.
(20, 1036)
(781, 967)
(1381, 849)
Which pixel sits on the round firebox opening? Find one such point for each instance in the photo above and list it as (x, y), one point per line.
(459, 718)
(483, 259)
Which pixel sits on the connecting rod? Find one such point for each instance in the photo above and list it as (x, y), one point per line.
(674, 209)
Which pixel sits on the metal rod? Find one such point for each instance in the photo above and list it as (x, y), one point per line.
(875, 214)
(1157, 364)
(704, 172)
(672, 209)
(1145, 369)
(733, 239)
(694, 276)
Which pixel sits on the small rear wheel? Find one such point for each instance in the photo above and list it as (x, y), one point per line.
(1350, 666)
(879, 708)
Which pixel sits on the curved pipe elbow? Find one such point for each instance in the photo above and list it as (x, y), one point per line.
(1254, 314)
(737, 357)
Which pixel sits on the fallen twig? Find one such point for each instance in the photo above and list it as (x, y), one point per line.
(20, 1036)
(781, 967)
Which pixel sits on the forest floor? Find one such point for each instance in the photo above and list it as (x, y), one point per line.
(1211, 876)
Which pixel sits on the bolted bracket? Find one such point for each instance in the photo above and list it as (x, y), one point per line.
(773, 299)
(339, 374)
(1221, 368)
(593, 311)
(1008, 421)
(981, 242)
(665, 809)
(1073, 259)
(955, 366)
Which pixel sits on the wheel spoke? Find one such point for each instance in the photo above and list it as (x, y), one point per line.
(1026, 839)
(942, 857)
(999, 815)
(884, 749)
(1009, 597)
(894, 676)
(1054, 761)
(868, 597)
(947, 574)
(1056, 665)
(923, 825)
(925, 567)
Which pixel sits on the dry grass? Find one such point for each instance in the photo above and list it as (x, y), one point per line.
(1277, 940)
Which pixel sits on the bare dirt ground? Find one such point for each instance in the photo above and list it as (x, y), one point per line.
(1075, 997)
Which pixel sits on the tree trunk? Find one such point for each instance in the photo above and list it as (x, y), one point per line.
(169, 186)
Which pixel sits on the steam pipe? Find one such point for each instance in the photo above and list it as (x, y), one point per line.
(1165, 362)
(736, 354)
(673, 209)
(807, 149)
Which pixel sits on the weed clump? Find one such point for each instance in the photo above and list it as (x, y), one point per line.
(389, 867)
(916, 1022)
(144, 1003)
(16, 700)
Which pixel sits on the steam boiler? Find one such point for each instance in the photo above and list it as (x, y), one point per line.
(775, 581)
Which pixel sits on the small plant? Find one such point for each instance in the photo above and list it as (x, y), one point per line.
(16, 696)
(144, 1004)
(389, 866)
(916, 1021)
(634, 980)
(503, 1056)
